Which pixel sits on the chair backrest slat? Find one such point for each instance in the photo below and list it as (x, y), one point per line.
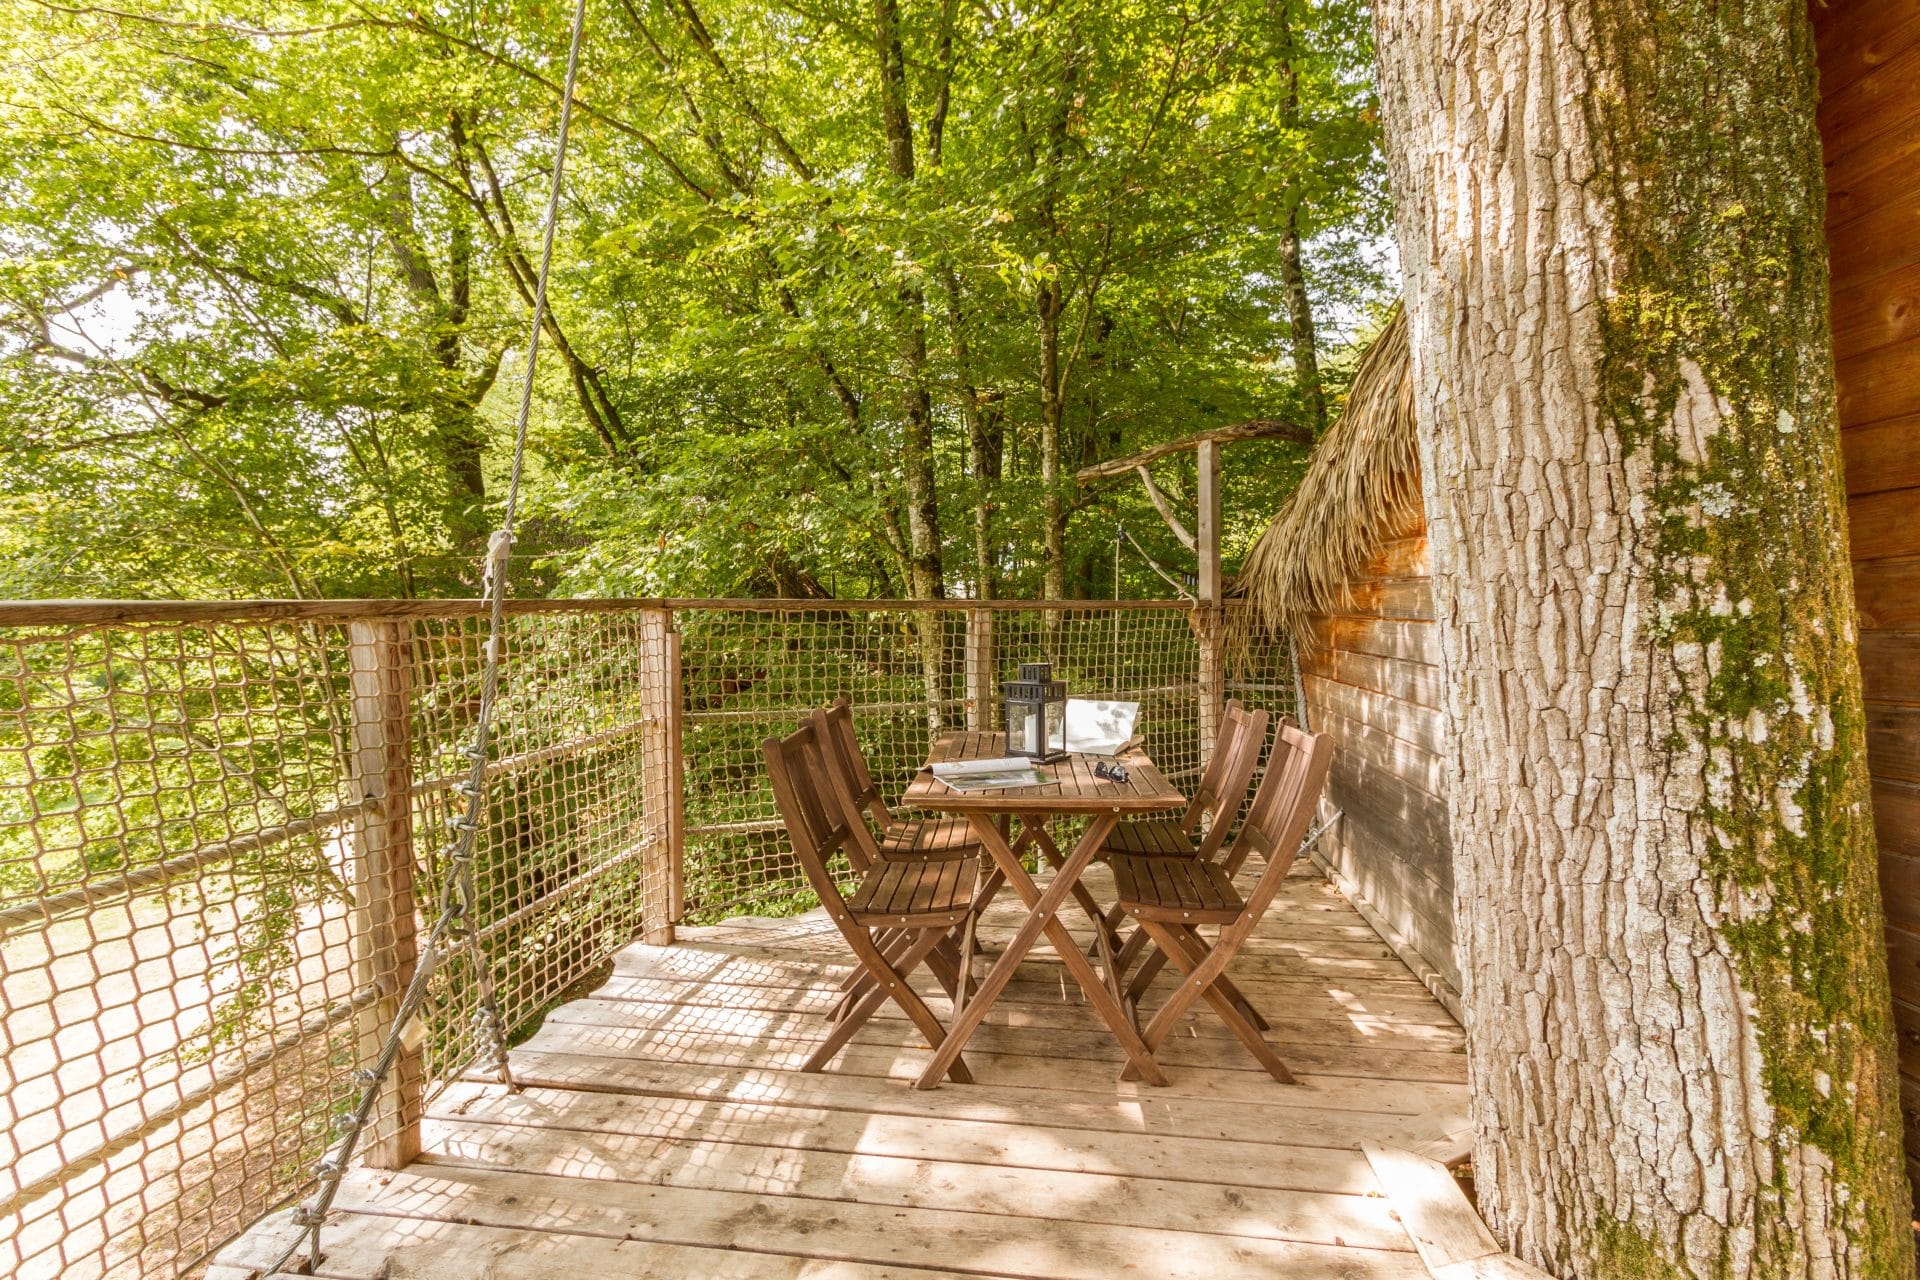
(843, 746)
(820, 816)
(1223, 785)
(1281, 812)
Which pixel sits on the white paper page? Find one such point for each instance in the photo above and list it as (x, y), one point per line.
(1098, 727)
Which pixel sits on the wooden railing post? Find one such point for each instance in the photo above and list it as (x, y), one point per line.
(385, 948)
(1210, 623)
(664, 818)
(981, 685)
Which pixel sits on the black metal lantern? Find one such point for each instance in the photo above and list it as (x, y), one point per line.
(1037, 713)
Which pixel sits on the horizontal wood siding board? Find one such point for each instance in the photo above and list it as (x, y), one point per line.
(1854, 38)
(1863, 110)
(1394, 598)
(1890, 665)
(1878, 240)
(1896, 816)
(1411, 640)
(1882, 456)
(1888, 594)
(1882, 526)
(1410, 820)
(1400, 558)
(1422, 726)
(1903, 963)
(1864, 182)
(1900, 889)
(1883, 383)
(1893, 741)
(1419, 767)
(1417, 908)
(1906, 1019)
(1877, 310)
(1414, 682)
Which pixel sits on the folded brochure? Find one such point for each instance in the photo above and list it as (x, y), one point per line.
(986, 775)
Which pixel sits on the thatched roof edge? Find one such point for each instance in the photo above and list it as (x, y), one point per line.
(1361, 487)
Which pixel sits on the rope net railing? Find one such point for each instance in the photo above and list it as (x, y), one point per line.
(220, 840)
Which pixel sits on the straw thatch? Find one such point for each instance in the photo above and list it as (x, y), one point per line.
(1361, 487)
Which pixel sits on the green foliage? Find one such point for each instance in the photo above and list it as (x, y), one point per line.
(266, 266)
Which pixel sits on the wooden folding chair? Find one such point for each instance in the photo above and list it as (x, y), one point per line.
(840, 751)
(924, 899)
(1221, 791)
(1173, 897)
(898, 837)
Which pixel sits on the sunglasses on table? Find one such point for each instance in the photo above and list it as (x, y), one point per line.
(1111, 772)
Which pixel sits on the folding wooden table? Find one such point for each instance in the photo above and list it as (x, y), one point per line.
(1075, 790)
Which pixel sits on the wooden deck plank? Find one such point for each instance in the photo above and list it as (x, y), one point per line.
(1131, 1109)
(1443, 1223)
(1029, 1143)
(1006, 1190)
(1038, 987)
(1042, 1248)
(883, 1061)
(383, 1247)
(680, 1034)
(659, 999)
(1255, 965)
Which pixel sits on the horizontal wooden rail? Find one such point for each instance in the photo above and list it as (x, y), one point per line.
(83, 613)
(161, 875)
(744, 827)
(747, 715)
(528, 759)
(574, 885)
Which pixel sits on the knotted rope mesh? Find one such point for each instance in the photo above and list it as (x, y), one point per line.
(200, 904)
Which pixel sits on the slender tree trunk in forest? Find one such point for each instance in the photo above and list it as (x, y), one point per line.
(1678, 1023)
(928, 580)
(986, 442)
(1052, 421)
(926, 575)
(1302, 335)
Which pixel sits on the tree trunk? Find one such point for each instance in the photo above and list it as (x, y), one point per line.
(986, 442)
(1302, 334)
(1678, 1023)
(927, 576)
(1052, 419)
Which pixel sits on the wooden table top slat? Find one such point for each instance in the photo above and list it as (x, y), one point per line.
(1074, 789)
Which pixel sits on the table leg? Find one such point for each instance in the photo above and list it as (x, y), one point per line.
(1035, 829)
(1042, 918)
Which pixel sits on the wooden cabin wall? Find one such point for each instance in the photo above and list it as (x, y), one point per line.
(1869, 117)
(1371, 678)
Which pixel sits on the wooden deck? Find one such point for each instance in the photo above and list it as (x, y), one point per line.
(664, 1130)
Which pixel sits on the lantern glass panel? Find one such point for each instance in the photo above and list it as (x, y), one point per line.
(1024, 728)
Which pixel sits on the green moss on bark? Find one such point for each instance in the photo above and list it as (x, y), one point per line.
(1712, 167)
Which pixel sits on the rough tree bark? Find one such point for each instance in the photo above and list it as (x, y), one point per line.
(1610, 222)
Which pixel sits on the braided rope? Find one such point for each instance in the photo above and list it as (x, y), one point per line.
(453, 925)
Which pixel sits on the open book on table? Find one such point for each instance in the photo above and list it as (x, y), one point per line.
(1098, 727)
(985, 775)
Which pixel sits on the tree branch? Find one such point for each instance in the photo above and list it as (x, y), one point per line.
(1166, 511)
(1252, 429)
